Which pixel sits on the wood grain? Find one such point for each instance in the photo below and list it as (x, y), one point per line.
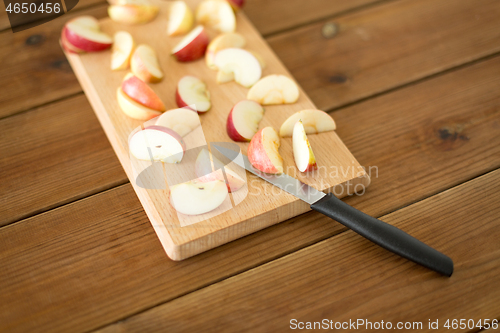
(263, 205)
(270, 17)
(99, 260)
(53, 155)
(347, 277)
(387, 46)
(35, 70)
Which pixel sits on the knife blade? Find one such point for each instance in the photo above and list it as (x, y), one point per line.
(377, 231)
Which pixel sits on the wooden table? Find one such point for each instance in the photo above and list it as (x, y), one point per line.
(414, 86)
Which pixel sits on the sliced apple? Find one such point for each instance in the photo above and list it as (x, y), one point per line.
(302, 151)
(194, 198)
(240, 63)
(84, 33)
(259, 58)
(263, 151)
(157, 143)
(243, 120)
(206, 167)
(236, 4)
(180, 19)
(123, 46)
(217, 15)
(192, 91)
(133, 11)
(274, 89)
(133, 109)
(314, 121)
(193, 46)
(140, 92)
(144, 64)
(67, 46)
(223, 41)
(182, 121)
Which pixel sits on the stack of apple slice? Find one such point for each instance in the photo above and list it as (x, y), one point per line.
(157, 143)
(83, 34)
(132, 11)
(137, 100)
(274, 89)
(207, 167)
(144, 64)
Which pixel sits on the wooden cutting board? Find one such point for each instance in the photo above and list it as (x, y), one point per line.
(262, 206)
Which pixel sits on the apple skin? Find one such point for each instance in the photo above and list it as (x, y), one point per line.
(82, 43)
(67, 46)
(258, 157)
(194, 50)
(140, 92)
(231, 130)
(236, 4)
(133, 109)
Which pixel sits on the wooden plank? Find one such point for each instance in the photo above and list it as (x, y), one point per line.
(35, 70)
(53, 155)
(4, 19)
(256, 205)
(388, 46)
(348, 278)
(99, 261)
(270, 17)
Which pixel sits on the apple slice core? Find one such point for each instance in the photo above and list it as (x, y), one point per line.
(192, 46)
(182, 121)
(193, 91)
(274, 89)
(157, 143)
(194, 198)
(243, 64)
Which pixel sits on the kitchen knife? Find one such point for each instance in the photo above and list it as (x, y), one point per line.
(381, 233)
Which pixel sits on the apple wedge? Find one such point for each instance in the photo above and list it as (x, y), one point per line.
(240, 63)
(274, 89)
(263, 151)
(194, 198)
(67, 46)
(133, 11)
(236, 4)
(84, 33)
(182, 121)
(144, 64)
(314, 121)
(157, 143)
(192, 91)
(133, 109)
(192, 46)
(180, 19)
(223, 41)
(217, 15)
(140, 92)
(207, 166)
(302, 151)
(123, 46)
(243, 120)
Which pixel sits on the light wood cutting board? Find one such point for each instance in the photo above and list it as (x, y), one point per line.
(263, 206)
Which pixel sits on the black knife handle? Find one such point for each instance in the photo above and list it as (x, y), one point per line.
(383, 234)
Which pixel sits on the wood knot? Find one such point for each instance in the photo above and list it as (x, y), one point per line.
(61, 64)
(452, 134)
(329, 30)
(34, 40)
(337, 78)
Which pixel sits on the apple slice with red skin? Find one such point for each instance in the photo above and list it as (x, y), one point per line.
(195, 198)
(183, 121)
(133, 109)
(263, 151)
(206, 171)
(302, 151)
(144, 64)
(236, 4)
(192, 91)
(85, 34)
(243, 120)
(192, 46)
(314, 121)
(157, 143)
(140, 92)
(67, 46)
(133, 11)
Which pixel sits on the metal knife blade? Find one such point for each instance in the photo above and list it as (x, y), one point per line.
(283, 181)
